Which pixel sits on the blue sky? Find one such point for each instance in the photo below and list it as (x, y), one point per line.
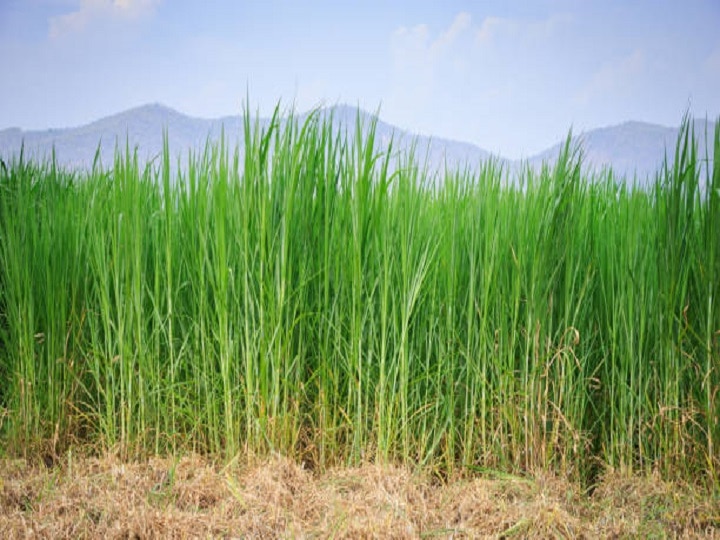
(509, 76)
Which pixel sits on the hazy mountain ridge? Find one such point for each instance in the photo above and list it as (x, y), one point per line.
(632, 149)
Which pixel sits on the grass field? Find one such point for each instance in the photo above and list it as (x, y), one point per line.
(322, 301)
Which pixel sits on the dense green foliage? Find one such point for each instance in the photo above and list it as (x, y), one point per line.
(317, 299)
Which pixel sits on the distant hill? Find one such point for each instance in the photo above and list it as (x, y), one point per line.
(632, 149)
(143, 127)
(635, 150)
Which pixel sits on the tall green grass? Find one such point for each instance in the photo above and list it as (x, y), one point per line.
(313, 296)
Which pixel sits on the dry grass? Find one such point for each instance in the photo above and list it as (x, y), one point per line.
(191, 497)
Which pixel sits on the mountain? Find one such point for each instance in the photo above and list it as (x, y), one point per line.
(143, 128)
(635, 150)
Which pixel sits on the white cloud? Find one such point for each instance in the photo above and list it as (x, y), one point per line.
(491, 27)
(461, 23)
(416, 48)
(409, 40)
(425, 62)
(414, 45)
(614, 79)
(89, 11)
(494, 29)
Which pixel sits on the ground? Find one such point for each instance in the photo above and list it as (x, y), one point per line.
(192, 497)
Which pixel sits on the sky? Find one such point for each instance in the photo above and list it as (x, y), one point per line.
(509, 76)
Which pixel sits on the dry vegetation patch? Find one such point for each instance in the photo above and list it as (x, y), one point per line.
(652, 507)
(192, 497)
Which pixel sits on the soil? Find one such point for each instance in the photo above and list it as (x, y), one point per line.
(192, 497)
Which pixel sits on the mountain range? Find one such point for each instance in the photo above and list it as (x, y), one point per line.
(634, 150)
